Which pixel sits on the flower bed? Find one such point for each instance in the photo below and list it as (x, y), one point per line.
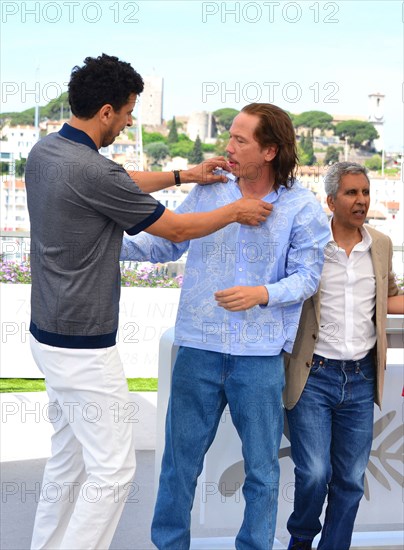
(148, 276)
(12, 272)
(137, 275)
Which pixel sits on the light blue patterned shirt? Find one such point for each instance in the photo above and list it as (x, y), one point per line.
(285, 253)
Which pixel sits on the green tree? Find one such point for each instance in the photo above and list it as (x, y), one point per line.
(208, 147)
(303, 157)
(374, 163)
(224, 118)
(173, 133)
(4, 167)
(157, 151)
(56, 108)
(178, 124)
(309, 150)
(20, 167)
(221, 143)
(331, 155)
(182, 148)
(25, 117)
(51, 111)
(152, 137)
(313, 120)
(305, 151)
(360, 133)
(196, 155)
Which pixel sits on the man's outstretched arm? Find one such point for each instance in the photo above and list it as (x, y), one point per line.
(182, 227)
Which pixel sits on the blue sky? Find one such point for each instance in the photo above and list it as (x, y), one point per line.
(302, 56)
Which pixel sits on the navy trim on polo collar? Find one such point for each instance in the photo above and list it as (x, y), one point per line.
(76, 135)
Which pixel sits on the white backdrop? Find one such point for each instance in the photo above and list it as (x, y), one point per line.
(220, 484)
(145, 314)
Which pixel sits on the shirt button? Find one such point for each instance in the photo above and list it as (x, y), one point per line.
(240, 269)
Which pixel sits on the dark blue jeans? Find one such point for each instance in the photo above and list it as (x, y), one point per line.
(331, 429)
(203, 383)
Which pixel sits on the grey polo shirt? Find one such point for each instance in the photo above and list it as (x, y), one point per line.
(79, 203)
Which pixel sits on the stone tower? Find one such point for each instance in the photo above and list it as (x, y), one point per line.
(151, 101)
(376, 117)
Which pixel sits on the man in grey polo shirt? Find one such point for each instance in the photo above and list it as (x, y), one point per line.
(80, 203)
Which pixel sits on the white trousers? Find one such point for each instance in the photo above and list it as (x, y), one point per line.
(92, 462)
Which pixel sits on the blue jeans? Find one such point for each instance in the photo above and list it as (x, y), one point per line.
(203, 383)
(331, 429)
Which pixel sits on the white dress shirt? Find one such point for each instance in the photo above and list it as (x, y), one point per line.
(348, 298)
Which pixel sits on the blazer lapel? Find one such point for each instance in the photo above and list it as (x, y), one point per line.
(379, 258)
(316, 303)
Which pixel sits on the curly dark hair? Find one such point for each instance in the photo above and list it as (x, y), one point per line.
(275, 127)
(102, 80)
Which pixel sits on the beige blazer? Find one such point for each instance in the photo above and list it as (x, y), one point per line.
(298, 363)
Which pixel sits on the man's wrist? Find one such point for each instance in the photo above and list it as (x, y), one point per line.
(264, 296)
(188, 177)
(177, 177)
(233, 212)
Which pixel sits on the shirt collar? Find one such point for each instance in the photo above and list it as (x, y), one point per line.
(365, 243)
(73, 134)
(366, 239)
(274, 194)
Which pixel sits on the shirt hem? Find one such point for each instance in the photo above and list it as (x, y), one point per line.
(72, 341)
(256, 351)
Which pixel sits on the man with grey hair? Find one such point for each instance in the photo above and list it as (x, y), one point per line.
(336, 369)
